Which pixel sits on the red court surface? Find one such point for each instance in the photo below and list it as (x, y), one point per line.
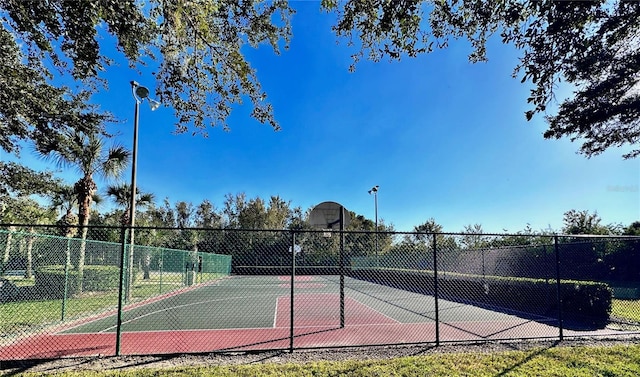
(168, 342)
(316, 325)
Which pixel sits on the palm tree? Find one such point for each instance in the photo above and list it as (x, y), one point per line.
(121, 194)
(86, 153)
(65, 201)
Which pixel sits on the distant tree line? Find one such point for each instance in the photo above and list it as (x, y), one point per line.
(39, 198)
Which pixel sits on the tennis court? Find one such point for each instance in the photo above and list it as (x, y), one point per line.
(243, 313)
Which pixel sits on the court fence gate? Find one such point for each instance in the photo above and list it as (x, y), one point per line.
(196, 290)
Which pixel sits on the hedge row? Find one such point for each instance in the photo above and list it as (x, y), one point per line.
(584, 303)
(50, 280)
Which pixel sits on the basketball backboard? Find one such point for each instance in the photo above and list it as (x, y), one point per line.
(326, 215)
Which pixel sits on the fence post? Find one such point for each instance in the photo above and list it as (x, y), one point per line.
(184, 270)
(123, 255)
(161, 267)
(435, 290)
(293, 276)
(558, 287)
(66, 279)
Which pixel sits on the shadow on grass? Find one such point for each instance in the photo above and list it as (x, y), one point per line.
(529, 357)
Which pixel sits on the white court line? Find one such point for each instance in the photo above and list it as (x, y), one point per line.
(275, 315)
(375, 310)
(159, 311)
(181, 331)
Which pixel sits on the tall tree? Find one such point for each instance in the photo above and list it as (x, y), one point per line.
(253, 215)
(181, 215)
(33, 108)
(18, 180)
(429, 226)
(583, 222)
(207, 216)
(233, 206)
(299, 219)
(18, 187)
(633, 229)
(158, 217)
(65, 201)
(472, 237)
(121, 195)
(22, 210)
(590, 45)
(88, 154)
(278, 213)
(424, 233)
(369, 243)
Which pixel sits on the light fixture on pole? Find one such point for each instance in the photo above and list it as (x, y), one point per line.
(140, 93)
(374, 191)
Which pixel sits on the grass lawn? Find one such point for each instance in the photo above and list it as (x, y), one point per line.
(540, 362)
(626, 309)
(24, 315)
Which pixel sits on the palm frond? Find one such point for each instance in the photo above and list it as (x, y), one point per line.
(65, 199)
(120, 194)
(116, 161)
(145, 199)
(92, 155)
(97, 199)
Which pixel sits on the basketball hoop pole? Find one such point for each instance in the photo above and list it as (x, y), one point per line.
(323, 216)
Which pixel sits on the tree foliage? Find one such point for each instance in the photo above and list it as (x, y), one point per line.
(242, 213)
(633, 229)
(584, 222)
(197, 45)
(202, 73)
(19, 180)
(32, 108)
(591, 45)
(18, 185)
(64, 201)
(121, 194)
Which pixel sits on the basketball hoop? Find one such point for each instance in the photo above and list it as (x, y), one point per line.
(326, 216)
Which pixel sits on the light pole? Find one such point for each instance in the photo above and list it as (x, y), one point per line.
(140, 93)
(374, 191)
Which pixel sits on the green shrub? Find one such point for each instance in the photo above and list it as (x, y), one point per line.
(50, 280)
(101, 278)
(587, 301)
(583, 302)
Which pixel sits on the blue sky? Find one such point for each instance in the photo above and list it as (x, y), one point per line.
(443, 138)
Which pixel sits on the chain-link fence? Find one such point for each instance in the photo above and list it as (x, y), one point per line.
(219, 290)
